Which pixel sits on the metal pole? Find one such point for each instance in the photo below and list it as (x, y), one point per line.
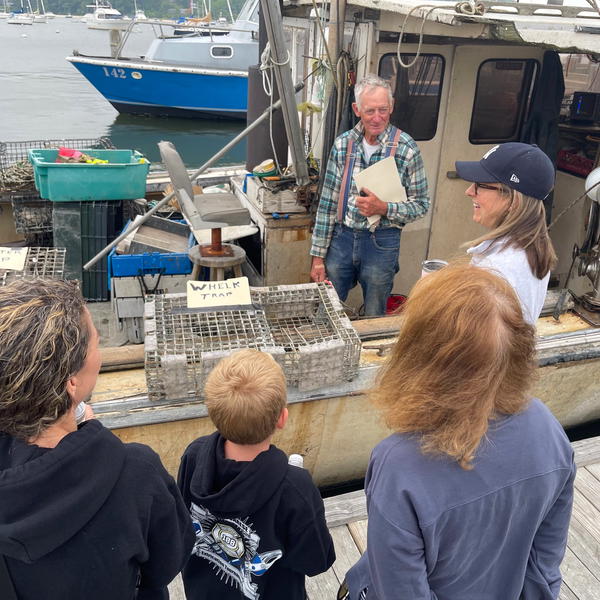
(283, 75)
(88, 265)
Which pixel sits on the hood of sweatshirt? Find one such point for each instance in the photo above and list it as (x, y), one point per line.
(47, 497)
(249, 491)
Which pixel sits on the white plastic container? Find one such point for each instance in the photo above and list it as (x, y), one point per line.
(429, 266)
(296, 460)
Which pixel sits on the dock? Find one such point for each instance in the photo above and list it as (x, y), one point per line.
(347, 520)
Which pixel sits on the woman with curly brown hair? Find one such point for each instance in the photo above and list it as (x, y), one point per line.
(470, 499)
(82, 515)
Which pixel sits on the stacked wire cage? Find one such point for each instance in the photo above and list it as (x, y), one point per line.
(40, 263)
(303, 327)
(32, 214)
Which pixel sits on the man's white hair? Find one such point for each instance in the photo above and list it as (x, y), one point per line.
(369, 82)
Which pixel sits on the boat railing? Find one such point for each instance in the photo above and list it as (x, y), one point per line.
(549, 9)
(206, 30)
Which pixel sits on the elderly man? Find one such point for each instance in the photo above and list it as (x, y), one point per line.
(82, 515)
(345, 248)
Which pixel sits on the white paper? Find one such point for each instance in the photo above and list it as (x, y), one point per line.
(383, 180)
(12, 259)
(214, 294)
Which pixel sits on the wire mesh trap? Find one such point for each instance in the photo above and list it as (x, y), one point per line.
(40, 263)
(303, 327)
(32, 214)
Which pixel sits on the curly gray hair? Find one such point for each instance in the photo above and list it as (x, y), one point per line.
(43, 342)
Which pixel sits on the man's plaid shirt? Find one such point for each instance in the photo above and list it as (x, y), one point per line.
(412, 174)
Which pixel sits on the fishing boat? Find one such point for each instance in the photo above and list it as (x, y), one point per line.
(196, 76)
(481, 74)
(477, 75)
(104, 16)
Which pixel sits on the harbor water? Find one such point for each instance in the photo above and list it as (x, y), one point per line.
(42, 96)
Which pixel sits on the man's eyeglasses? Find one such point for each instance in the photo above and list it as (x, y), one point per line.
(382, 112)
(486, 186)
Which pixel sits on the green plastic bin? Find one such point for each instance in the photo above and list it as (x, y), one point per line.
(123, 178)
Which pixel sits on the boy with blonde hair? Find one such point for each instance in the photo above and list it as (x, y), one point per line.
(260, 523)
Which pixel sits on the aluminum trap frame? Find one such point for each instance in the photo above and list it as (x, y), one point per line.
(303, 327)
(40, 263)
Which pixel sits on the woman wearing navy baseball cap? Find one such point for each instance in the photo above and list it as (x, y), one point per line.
(509, 185)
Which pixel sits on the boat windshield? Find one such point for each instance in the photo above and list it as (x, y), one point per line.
(249, 11)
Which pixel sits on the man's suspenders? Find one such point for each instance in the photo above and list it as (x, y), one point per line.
(346, 180)
(346, 184)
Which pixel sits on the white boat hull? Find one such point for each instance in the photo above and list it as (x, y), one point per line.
(20, 20)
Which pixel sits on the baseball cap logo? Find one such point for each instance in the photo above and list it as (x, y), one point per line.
(487, 154)
(514, 178)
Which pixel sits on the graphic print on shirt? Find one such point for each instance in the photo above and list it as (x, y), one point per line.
(230, 545)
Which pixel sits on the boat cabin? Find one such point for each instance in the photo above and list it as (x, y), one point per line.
(472, 76)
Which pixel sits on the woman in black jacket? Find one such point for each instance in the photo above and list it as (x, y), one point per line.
(82, 515)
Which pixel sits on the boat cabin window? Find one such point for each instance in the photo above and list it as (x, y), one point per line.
(579, 126)
(221, 51)
(502, 99)
(417, 91)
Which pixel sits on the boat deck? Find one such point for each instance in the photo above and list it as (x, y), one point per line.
(347, 520)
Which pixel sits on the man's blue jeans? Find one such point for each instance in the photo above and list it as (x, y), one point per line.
(369, 258)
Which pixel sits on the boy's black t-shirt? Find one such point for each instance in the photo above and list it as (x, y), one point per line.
(260, 525)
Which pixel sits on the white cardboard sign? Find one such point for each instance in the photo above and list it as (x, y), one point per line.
(12, 259)
(214, 294)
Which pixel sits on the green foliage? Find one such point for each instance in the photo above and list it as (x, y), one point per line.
(153, 8)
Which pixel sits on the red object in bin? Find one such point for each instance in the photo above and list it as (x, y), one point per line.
(394, 304)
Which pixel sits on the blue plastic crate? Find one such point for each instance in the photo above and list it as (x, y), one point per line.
(150, 263)
(122, 178)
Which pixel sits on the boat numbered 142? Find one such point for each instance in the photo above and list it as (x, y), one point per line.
(183, 76)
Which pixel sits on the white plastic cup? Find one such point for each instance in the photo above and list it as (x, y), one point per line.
(296, 460)
(429, 266)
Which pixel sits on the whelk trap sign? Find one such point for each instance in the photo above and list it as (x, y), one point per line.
(303, 327)
(231, 293)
